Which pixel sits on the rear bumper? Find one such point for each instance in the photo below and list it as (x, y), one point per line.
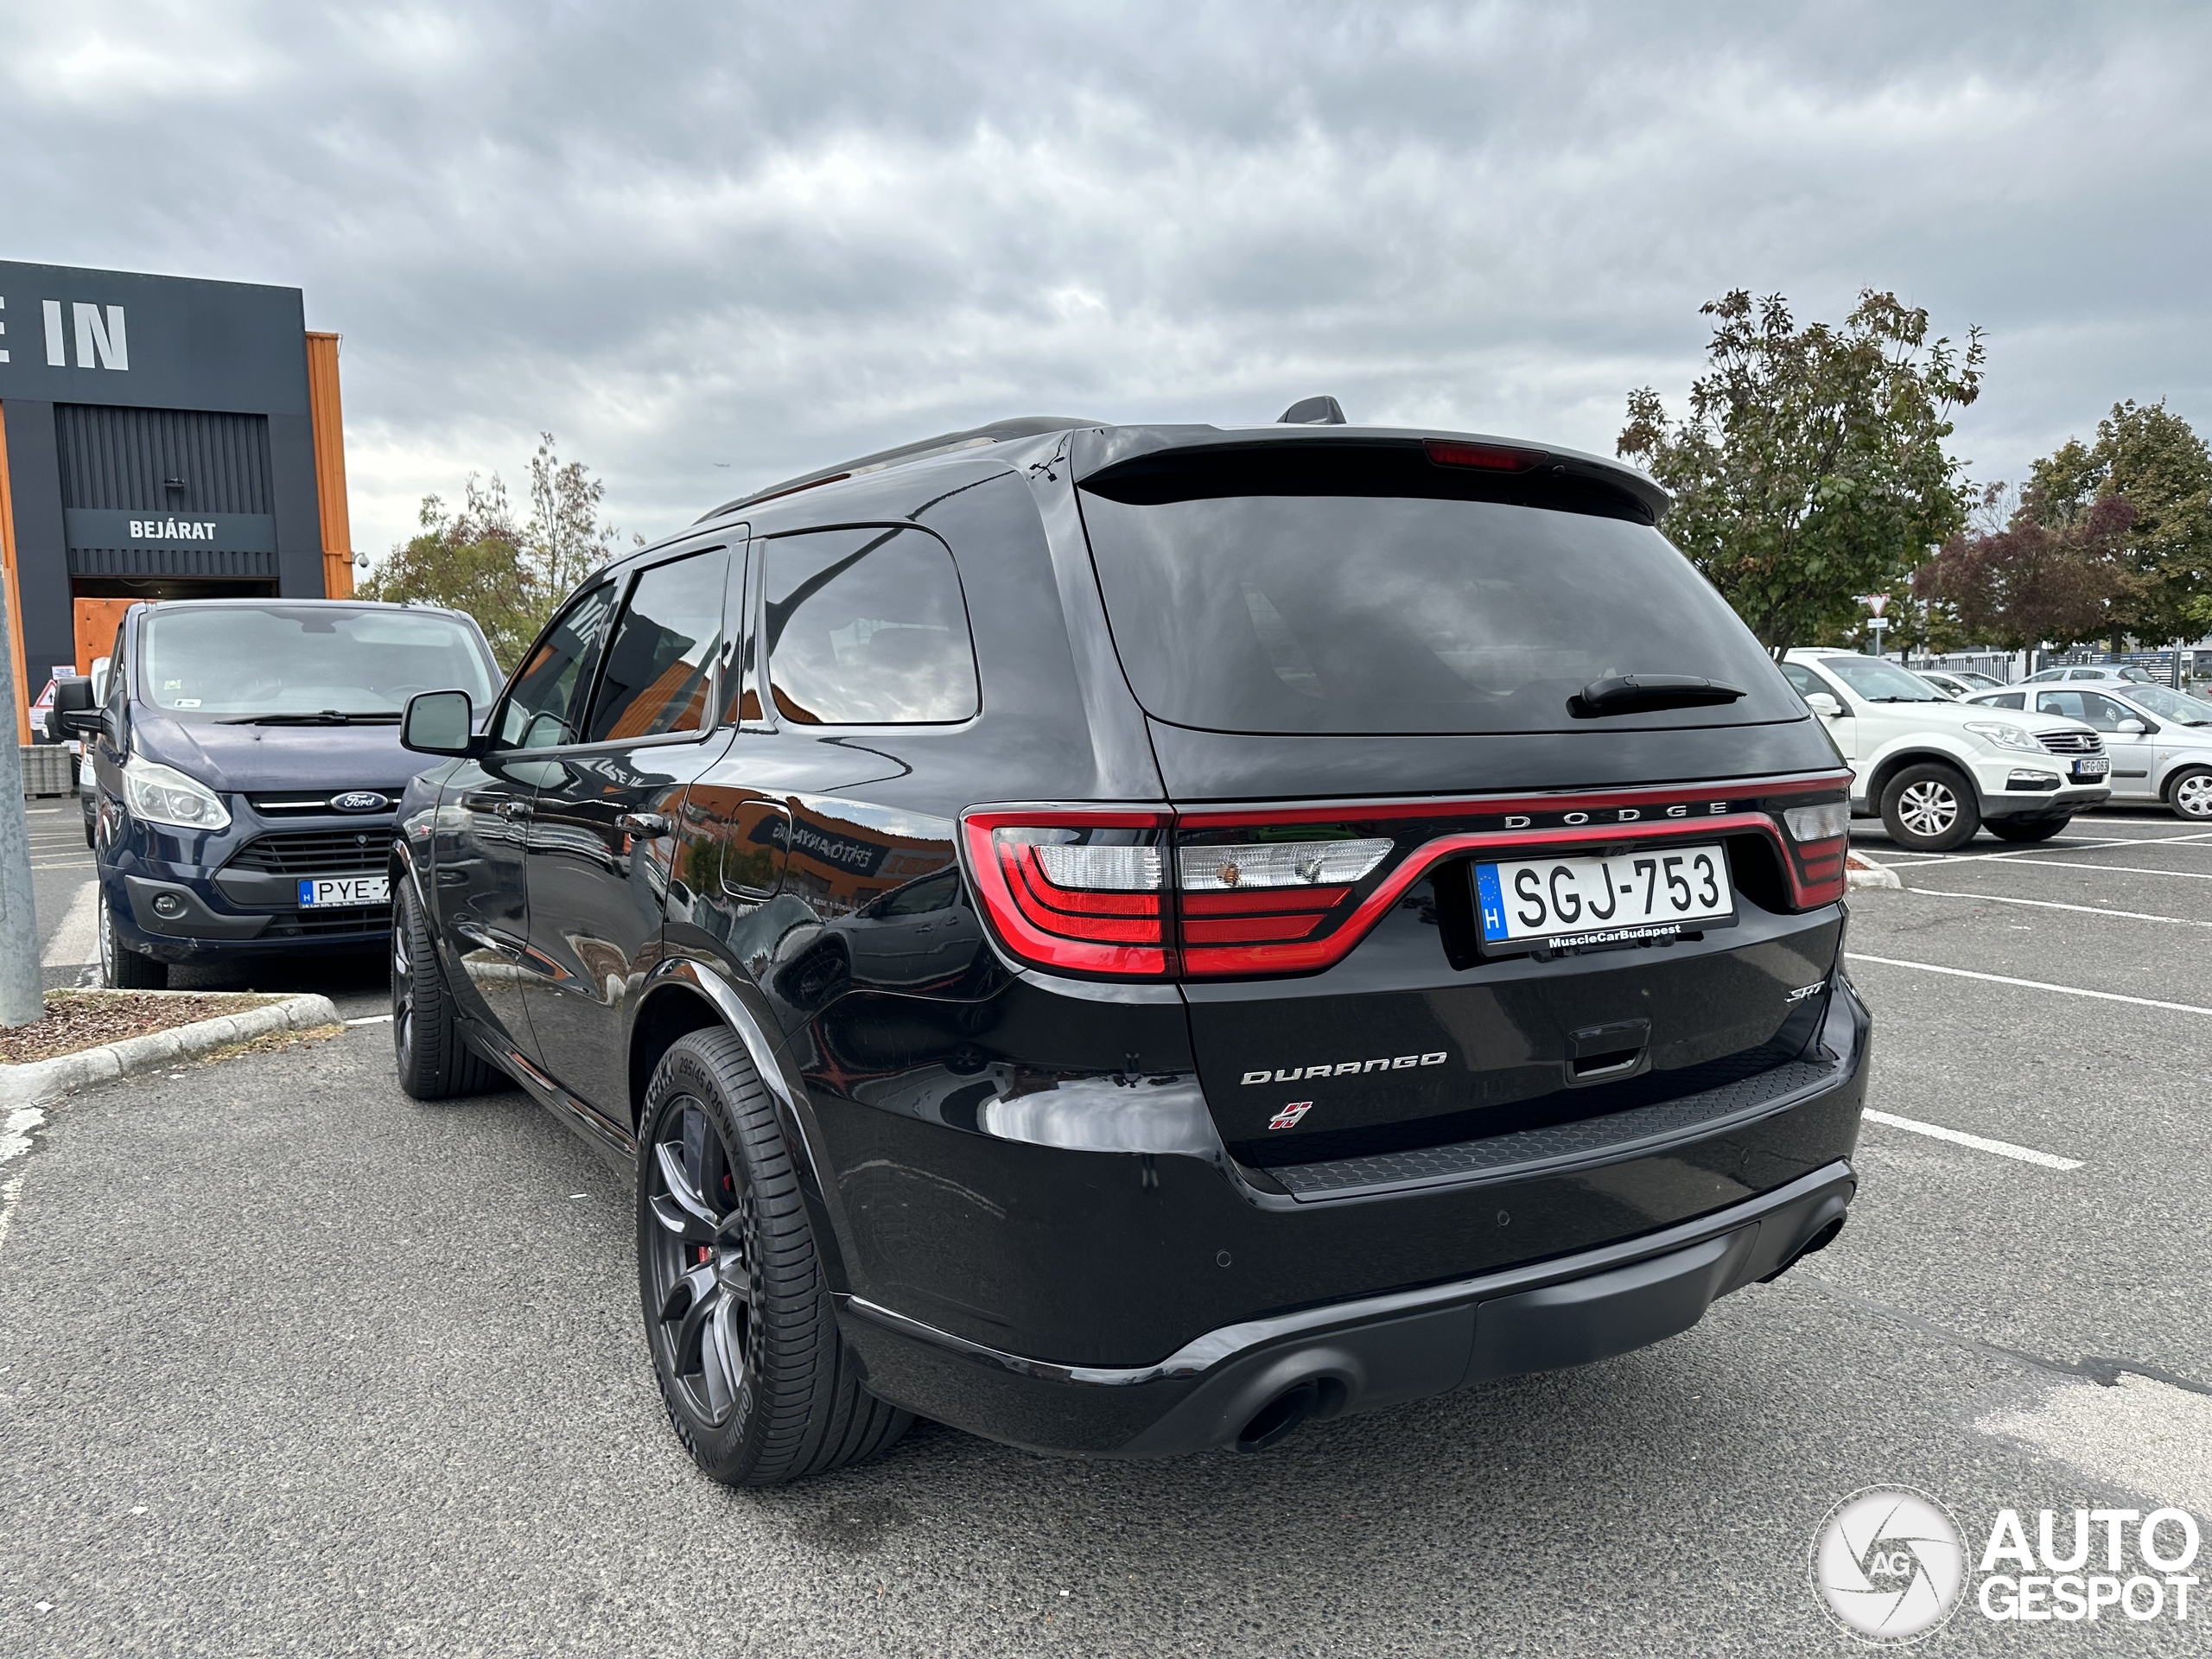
(1362, 1355)
(1380, 1294)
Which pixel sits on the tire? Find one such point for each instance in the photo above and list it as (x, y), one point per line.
(120, 968)
(1930, 808)
(432, 1062)
(758, 1383)
(2039, 829)
(2190, 794)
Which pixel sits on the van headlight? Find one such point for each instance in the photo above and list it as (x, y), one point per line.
(160, 794)
(2004, 735)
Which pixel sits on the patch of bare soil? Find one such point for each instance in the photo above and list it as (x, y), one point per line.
(79, 1020)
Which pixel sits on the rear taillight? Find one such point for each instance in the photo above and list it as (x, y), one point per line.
(1131, 895)
(1818, 838)
(1083, 893)
(1090, 893)
(1240, 903)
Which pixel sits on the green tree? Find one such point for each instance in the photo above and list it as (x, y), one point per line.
(2151, 458)
(510, 577)
(1811, 467)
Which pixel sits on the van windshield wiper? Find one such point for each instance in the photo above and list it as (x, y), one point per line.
(322, 717)
(1628, 694)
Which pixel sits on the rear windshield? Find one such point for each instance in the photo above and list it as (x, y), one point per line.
(238, 662)
(1294, 612)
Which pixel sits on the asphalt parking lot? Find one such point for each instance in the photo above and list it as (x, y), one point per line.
(291, 1364)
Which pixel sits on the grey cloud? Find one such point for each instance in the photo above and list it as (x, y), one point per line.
(693, 234)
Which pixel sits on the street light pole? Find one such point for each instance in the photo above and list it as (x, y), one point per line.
(21, 998)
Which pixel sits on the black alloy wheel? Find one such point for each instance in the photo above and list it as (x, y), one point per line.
(758, 1383)
(1930, 808)
(2014, 830)
(432, 1061)
(120, 968)
(2190, 794)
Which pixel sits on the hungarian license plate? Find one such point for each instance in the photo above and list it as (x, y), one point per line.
(1549, 903)
(2096, 767)
(343, 891)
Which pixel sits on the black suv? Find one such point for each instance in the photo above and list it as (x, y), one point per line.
(1123, 938)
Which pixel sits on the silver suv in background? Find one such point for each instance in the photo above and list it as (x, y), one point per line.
(1935, 770)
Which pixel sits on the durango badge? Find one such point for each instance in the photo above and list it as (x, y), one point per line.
(1347, 1068)
(1287, 1118)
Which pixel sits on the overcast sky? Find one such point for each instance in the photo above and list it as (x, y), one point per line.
(711, 245)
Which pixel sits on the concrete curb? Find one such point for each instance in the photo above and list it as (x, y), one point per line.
(36, 1081)
(1861, 871)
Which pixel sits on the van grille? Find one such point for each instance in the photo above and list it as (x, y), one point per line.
(2071, 743)
(294, 803)
(317, 852)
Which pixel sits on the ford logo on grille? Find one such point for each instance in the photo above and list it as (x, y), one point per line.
(360, 800)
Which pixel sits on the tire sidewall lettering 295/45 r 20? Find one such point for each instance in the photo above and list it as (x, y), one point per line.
(745, 1344)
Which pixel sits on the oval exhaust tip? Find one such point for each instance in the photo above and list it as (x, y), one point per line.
(1278, 1420)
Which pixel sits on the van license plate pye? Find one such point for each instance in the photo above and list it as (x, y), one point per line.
(1654, 894)
(343, 891)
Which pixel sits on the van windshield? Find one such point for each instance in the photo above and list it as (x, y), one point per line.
(1312, 612)
(243, 662)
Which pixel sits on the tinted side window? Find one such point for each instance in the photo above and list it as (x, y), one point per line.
(867, 627)
(545, 709)
(1804, 679)
(2010, 700)
(661, 659)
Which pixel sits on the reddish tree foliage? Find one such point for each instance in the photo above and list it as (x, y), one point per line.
(2032, 584)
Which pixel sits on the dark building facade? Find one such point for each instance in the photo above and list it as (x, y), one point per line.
(165, 438)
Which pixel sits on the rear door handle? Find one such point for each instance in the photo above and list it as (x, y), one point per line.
(501, 806)
(646, 824)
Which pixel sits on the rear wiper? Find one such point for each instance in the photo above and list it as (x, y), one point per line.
(1628, 694)
(323, 717)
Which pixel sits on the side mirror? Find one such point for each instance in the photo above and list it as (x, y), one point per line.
(71, 697)
(2130, 728)
(1822, 703)
(438, 722)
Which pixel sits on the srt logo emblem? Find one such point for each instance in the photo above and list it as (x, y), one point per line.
(1287, 1118)
(360, 800)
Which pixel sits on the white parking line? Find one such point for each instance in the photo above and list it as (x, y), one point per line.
(2055, 864)
(1979, 1143)
(2052, 904)
(2032, 984)
(371, 1020)
(75, 939)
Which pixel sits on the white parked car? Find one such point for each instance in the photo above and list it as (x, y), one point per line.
(1936, 770)
(2128, 674)
(1958, 682)
(2160, 742)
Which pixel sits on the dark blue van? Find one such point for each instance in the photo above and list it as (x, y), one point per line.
(247, 769)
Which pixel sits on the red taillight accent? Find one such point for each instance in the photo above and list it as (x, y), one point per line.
(1077, 929)
(1489, 457)
(1816, 871)
(1112, 930)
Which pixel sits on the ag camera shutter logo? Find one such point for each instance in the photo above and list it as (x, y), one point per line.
(1889, 1563)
